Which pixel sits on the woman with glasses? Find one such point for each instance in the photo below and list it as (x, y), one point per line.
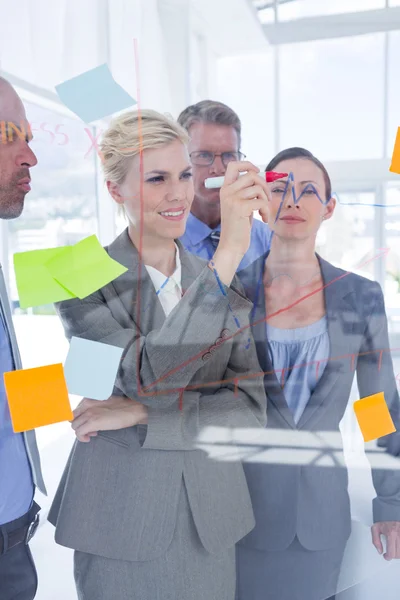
(315, 326)
(215, 140)
(148, 513)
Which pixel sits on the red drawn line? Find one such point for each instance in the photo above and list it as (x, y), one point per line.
(278, 312)
(382, 252)
(317, 369)
(95, 144)
(380, 360)
(263, 373)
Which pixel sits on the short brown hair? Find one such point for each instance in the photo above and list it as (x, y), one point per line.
(211, 111)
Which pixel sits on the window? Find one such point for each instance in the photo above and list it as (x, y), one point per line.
(348, 238)
(392, 275)
(394, 90)
(61, 209)
(296, 9)
(246, 84)
(331, 97)
(266, 15)
(198, 68)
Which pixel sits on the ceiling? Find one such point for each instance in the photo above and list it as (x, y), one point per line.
(232, 26)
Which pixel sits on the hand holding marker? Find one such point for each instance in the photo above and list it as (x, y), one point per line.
(217, 182)
(241, 195)
(243, 191)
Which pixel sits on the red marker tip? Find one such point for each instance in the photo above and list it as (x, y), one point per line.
(273, 176)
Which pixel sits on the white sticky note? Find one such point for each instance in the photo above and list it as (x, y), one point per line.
(91, 368)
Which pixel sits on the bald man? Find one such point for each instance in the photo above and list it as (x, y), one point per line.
(20, 470)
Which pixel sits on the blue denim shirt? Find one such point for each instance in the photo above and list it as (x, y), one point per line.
(16, 485)
(196, 240)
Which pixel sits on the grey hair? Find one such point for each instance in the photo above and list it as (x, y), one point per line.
(211, 111)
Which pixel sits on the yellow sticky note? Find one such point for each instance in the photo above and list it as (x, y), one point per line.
(395, 166)
(37, 397)
(85, 267)
(34, 283)
(373, 417)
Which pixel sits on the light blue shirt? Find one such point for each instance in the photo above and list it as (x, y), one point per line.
(16, 485)
(307, 350)
(196, 240)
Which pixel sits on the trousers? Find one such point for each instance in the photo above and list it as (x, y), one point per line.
(292, 574)
(18, 576)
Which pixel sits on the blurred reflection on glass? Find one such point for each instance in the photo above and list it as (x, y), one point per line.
(61, 208)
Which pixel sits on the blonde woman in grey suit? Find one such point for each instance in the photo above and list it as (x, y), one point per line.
(151, 517)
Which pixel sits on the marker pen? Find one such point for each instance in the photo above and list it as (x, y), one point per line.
(216, 182)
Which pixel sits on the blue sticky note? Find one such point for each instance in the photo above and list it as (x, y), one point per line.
(94, 94)
(91, 368)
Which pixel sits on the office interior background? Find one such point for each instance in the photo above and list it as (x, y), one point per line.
(322, 74)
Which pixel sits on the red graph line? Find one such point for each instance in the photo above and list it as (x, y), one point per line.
(317, 369)
(181, 391)
(381, 252)
(235, 380)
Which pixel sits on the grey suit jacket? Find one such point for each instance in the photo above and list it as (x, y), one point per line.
(119, 493)
(29, 436)
(307, 500)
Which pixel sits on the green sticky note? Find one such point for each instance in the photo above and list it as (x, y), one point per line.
(84, 268)
(35, 284)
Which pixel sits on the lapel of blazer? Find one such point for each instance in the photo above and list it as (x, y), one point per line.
(134, 288)
(252, 279)
(192, 266)
(341, 313)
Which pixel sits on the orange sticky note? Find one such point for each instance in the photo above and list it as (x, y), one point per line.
(37, 397)
(395, 166)
(373, 417)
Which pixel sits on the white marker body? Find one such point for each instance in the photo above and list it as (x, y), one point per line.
(217, 182)
(213, 183)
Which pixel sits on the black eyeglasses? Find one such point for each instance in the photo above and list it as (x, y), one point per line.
(203, 158)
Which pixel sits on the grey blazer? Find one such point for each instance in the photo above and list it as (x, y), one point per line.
(307, 500)
(119, 493)
(29, 436)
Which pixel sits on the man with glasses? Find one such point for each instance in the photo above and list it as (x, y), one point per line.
(215, 137)
(19, 458)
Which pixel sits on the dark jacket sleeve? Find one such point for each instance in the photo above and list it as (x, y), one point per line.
(375, 374)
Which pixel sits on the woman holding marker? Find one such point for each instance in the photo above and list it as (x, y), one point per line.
(314, 325)
(148, 514)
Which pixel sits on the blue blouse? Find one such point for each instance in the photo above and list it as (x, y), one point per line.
(307, 350)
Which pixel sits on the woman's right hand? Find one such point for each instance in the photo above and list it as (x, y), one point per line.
(240, 196)
(117, 412)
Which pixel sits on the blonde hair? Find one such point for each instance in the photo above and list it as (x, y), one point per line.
(132, 132)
